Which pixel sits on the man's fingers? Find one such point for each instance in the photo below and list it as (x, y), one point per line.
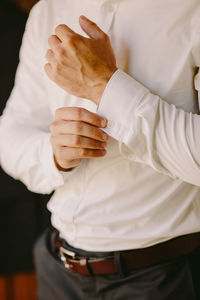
(63, 32)
(50, 56)
(76, 141)
(78, 128)
(54, 42)
(80, 114)
(48, 70)
(67, 164)
(90, 28)
(68, 153)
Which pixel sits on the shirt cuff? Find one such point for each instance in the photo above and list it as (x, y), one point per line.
(119, 104)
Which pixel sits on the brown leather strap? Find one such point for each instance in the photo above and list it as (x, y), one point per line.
(136, 259)
(106, 266)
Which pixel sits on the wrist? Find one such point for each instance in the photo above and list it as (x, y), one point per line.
(101, 87)
(99, 92)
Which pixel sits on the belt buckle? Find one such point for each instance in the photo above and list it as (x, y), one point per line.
(66, 252)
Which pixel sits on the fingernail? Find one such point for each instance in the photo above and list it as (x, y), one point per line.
(103, 123)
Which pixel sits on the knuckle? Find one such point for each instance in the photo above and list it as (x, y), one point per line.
(70, 40)
(76, 140)
(97, 144)
(78, 127)
(57, 67)
(60, 54)
(48, 53)
(78, 113)
(50, 39)
(47, 68)
(52, 127)
(94, 132)
(59, 27)
(82, 152)
(94, 120)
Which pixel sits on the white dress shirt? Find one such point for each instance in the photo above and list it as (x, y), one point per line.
(146, 189)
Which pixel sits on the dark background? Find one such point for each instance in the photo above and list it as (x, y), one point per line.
(23, 215)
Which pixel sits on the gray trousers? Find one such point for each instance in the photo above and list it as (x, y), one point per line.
(178, 279)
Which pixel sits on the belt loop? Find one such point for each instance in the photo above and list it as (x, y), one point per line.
(119, 263)
(89, 267)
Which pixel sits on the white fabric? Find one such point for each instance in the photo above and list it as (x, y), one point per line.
(146, 189)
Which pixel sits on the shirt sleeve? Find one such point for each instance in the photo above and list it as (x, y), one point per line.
(150, 130)
(25, 149)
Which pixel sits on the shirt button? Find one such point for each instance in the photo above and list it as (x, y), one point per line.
(110, 124)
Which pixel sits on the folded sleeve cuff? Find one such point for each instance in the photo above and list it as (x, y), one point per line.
(119, 104)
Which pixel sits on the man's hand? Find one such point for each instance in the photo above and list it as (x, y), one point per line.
(75, 135)
(81, 66)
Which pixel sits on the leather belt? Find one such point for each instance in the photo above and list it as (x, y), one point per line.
(132, 259)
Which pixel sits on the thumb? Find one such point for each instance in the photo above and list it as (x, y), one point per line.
(90, 28)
